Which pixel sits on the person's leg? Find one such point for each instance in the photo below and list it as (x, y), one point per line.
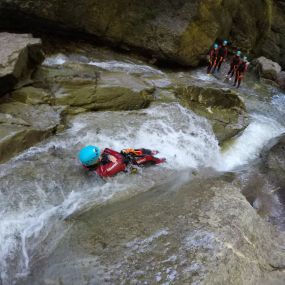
(209, 67)
(148, 159)
(214, 67)
(215, 64)
(145, 151)
(236, 78)
(239, 80)
(230, 71)
(220, 63)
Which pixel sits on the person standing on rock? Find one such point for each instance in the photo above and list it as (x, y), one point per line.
(236, 60)
(240, 72)
(222, 55)
(110, 162)
(213, 57)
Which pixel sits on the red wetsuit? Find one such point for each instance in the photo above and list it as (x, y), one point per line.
(241, 70)
(222, 56)
(235, 62)
(213, 57)
(111, 162)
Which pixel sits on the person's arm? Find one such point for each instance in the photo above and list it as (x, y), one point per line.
(110, 169)
(114, 153)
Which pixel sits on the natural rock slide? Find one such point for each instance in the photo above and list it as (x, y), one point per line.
(213, 214)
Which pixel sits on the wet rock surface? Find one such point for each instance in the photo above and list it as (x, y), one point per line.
(23, 125)
(31, 96)
(274, 160)
(71, 230)
(205, 232)
(264, 184)
(88, 87)
(20, 54)
(222, 106)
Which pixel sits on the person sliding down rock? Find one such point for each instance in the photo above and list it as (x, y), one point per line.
(234, 65)
(110, 162)
(241, 70)
(213, 57)
(222, 56)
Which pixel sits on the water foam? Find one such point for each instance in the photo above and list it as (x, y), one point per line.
(185, 139)
(247, 147)
(114, 65)
(110, 65)
(58, 59)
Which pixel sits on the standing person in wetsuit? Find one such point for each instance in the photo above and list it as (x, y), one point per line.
(236, 60)
(241, 70)
(110, 162)
(222, 55)
(213, 57)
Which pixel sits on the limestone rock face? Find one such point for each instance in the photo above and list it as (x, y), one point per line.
(32, 96)
(273, 44)
(181, 31)
(19, 54)
(22, 126)
(223, 107)
(82, 86)
(211, 236)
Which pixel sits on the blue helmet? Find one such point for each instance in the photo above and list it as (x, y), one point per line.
(89, 155)
(216, 46)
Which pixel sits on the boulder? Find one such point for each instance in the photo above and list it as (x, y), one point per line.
(89, 88)
(222, 106)
(267, 68)
(281, 79)
(22, 126)
(178, 31)
(19, 55)
(211, 236)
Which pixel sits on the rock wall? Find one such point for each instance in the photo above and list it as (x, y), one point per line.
(274, 43)
(180, 31)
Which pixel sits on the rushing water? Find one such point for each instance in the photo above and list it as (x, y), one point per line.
(46, 185)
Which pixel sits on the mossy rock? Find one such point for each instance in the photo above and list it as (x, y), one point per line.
(31, 95)
(223, 107)
(14, 139)
(90, 88)
(23, 125)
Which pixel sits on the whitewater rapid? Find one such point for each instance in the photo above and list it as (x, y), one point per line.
(45, 185)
